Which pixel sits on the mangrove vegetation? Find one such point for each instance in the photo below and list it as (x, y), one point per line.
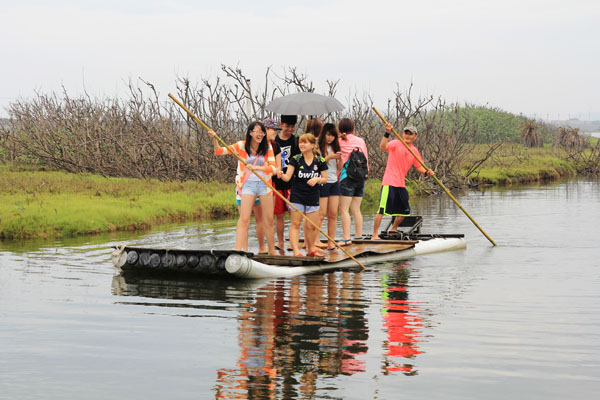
(76, 165)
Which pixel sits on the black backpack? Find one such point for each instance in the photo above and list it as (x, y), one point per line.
(356, 167)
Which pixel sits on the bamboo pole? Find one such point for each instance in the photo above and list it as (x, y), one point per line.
(240, 159)
(437, 180)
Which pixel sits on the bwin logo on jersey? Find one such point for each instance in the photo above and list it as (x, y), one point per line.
(307, 175)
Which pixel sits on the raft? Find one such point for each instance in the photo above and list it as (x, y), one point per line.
(239, 264)
(406, 243)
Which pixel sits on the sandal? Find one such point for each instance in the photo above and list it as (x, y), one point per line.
(299, 255)
(321, 245)
(315, 253)
(345, 242)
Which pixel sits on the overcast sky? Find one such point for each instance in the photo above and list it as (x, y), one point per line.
(533, 57)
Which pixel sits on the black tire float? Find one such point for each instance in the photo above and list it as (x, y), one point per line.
(221, 263)
(193, 261)
(207, 261)
(145, 259)
(167, 260)
(154, 261)
(132, 257)
(181, 261)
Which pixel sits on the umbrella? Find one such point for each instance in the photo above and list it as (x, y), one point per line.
(305, 103)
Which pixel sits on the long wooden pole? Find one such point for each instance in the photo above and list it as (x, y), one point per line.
(437, 180)
(240, 159)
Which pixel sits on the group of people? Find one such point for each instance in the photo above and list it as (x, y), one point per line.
(311, 172)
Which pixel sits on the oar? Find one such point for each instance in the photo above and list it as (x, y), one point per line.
(437, 180)
(240, 159)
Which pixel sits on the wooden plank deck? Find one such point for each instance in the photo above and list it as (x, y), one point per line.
(333, 256)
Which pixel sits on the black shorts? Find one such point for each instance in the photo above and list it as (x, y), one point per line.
(394, 201)
(329, 189)
(351, 188)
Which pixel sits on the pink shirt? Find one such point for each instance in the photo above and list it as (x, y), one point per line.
(399, 162)
(349, 144)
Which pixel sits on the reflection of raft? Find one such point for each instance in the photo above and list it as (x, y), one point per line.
(241, 264)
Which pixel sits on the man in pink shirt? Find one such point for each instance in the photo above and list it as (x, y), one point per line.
(394, 196)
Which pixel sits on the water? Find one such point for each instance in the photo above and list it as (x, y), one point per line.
(521, 320)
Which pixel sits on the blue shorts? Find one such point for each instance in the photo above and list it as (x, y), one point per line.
(351, 188)
(254, 188)
(329, 189)
(394, 201)
(305, 209)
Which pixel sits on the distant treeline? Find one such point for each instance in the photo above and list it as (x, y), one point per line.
(146, 135)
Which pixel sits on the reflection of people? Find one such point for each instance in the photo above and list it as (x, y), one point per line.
(294, 332)
(394, 196)
(288, 142)
(352, 191)
(399, 320)
(258, 153)
(309, 170)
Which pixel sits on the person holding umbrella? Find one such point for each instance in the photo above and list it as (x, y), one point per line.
(394, 196)
(288, 143)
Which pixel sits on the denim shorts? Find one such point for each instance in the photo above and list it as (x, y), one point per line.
(255, 188)
(329, 189)
(352, 188)
(305, 209)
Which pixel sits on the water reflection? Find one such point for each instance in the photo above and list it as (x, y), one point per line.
(294, 332)
(401, 322)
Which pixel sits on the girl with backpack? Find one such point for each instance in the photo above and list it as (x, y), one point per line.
(352, 187)
(309, 170)
(258, 153)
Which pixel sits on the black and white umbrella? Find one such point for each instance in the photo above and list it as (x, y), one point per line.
(305, 103)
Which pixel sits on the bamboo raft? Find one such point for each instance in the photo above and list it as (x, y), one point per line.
(240, 264)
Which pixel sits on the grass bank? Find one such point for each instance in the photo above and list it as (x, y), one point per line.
(513, 163)
(58, 204)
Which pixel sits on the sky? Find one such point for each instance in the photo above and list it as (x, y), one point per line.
(538, 58)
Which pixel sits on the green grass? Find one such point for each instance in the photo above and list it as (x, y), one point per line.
(40, 204)
(57, 204)
(513, 163)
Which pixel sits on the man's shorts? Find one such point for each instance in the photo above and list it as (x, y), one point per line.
(394, 201)
(352, 188)
(280, 206)
(329, 189)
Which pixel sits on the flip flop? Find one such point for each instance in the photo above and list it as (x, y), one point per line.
(321, 245)
(299, 255)
(345, 242)
(316, 253)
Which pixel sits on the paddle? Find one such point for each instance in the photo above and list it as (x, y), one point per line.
(437, 180)
(240, 159)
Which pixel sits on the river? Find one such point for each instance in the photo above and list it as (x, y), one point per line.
(520, 320)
